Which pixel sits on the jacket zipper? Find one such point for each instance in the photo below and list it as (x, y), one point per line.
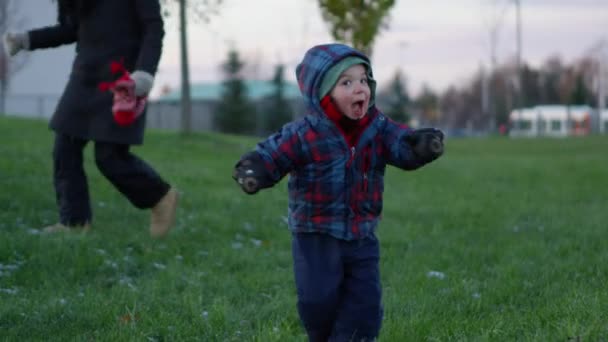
(351, 157)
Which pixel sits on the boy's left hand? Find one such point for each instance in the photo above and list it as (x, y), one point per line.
(427, 143)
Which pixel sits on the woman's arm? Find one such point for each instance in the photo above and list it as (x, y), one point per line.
(150, 20)
(65, 32)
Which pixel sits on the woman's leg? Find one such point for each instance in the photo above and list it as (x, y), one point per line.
(133, 177)
(70, 181)
(142, 186)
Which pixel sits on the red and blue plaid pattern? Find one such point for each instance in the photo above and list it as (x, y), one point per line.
(334, 188)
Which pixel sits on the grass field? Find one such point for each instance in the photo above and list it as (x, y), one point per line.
(500, 240)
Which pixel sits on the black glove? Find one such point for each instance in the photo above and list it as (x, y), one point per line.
(427, 143)
(250, 173)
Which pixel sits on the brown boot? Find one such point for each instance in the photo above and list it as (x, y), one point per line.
(61, 228)
(163, 214)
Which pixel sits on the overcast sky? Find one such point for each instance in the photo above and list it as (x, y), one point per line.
(437, 42)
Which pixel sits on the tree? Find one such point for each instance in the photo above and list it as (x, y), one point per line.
(428, 103)
(356, 22)
(530, 80)
(279, 109)
(398, 100)
(235, 114)
(550, 75)
(9, 66)
(579, 95)
(201, 10)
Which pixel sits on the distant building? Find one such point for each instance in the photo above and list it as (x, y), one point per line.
(165, 112)
(604, 121)
(556, 121)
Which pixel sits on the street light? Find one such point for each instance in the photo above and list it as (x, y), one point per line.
(518, 58)
(601, 91)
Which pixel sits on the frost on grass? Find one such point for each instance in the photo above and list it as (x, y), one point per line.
(436, 274)
(8, 269)
(159, 266)
(127, 281)
(248, 227)
(10, 291)
(111, 264)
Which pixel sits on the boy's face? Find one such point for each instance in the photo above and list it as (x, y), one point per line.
(351, 93)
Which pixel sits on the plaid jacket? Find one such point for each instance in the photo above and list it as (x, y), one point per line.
(333, 188)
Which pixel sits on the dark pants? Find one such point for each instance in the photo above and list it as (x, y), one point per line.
(338, 283)
(135, 179)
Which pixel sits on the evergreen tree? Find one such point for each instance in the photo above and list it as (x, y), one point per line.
(398, 100)
(428, 103)
(530, 85)
(549, 79)
(580, 94)
(278, 110)
(235, 114)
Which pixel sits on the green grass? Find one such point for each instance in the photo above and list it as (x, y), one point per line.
(517, 229)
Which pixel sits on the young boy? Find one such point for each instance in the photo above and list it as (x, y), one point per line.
(336, 157)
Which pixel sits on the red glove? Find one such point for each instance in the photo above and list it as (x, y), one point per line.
(126, 107)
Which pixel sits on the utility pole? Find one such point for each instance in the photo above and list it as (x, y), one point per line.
(520, 92)
(518, 27)
(489, 82)
(4, 59)
(485, 94)
(493, 62)
(601, 91)
(402, 47)
(186, 102)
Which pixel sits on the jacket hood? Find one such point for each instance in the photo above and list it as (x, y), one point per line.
(315, 64)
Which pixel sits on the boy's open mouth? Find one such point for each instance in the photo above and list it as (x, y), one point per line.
(358, 109)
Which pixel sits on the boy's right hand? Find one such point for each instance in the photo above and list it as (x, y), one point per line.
(250, 173)
(427, 143)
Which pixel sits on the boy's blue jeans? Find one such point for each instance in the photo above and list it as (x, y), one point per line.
(338, 284)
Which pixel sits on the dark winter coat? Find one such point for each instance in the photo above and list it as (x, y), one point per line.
(334, 188)
(104, 31)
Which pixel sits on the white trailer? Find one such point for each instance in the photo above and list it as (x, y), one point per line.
(551, 120)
